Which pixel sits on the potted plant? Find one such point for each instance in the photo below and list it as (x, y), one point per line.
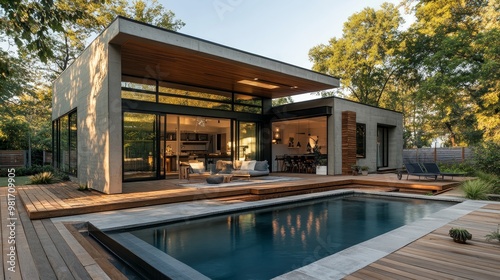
(460, 235)
(364, 170)
(355, 169)
(319, 161)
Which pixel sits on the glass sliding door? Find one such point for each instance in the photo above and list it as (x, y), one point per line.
(139, 146)
(247, 135)
(162, 143)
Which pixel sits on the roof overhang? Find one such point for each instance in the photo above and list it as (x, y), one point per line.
(151, 52)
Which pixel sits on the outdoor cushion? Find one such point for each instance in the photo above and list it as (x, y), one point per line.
(248, 165)
(227, 169)
(215, 179)
(237, 164)
(198, 167)
(261, 165)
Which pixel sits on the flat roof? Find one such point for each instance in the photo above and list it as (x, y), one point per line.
(152, 52)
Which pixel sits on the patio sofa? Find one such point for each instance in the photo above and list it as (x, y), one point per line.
(254, 168)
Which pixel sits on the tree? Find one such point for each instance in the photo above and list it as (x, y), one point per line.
(30, 23)
(282, 101)
(452, 51)
(363, 57)
(74, 36)
(49, 36)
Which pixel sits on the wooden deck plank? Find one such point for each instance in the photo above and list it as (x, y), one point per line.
(60, 202)
(56, 261)
(447, 266)
(414, 270)
(8, 231)
(3, 213)
(436, 256)
(40, 259)
(26, 262)
(46, 200)
(392, 272)
(98, 260)
(75, 266)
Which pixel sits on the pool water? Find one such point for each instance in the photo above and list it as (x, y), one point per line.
(265, 243)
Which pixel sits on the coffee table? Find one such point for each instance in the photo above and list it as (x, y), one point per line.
(241, 174)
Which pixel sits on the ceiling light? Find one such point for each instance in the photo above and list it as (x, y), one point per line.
(257, 83)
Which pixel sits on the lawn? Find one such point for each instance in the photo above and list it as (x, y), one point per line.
(19, 181)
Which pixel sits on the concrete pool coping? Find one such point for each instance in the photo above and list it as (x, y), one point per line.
(335, 266)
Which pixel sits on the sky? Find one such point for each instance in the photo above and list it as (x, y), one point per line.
(283, 30)
(278, 29)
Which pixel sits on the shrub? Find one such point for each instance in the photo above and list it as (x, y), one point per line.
(476, 189)
(61, 176)
(26, 171)
(494, 235)
(462, 167)
(492, 179)
(486, 157)
(42, 178)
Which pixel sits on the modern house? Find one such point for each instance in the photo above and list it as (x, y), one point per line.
(140, 100)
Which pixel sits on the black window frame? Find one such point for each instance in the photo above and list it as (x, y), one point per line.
(71, 139)
(360, 140)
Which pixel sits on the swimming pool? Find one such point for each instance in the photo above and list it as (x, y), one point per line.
(264, 243)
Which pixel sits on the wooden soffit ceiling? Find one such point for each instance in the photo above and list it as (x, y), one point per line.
(170, 63)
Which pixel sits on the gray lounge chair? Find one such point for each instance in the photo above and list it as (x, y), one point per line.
(416, 170)
(432, 167)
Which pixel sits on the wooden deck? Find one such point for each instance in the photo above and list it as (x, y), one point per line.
(45, 249)
(436, 256)
(63, 199)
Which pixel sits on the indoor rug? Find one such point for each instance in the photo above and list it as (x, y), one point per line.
(240, 182)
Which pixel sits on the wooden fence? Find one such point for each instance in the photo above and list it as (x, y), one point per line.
(443, 155)
(9, 158)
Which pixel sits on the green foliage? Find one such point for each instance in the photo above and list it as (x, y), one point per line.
(476, 189)
(493, 235)
(363, 57)
(31, 23)
(492, 179)
(42, 178)
(18, 181)
(462, 167)
(282, 101)
(460, 235)
(451, 56)
(23, 171)
(486, 157)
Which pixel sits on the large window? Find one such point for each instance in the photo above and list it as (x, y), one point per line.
(139, 145)
(361, 140)
(248, 141)
(149, 90)
(65, 144)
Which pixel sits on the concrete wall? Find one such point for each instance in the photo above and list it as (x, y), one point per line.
(372, 117)
(85, 85)
(369, 115)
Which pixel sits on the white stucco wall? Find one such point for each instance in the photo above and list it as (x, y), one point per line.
(85, 85)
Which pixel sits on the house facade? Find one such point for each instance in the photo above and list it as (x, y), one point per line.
(140, 100)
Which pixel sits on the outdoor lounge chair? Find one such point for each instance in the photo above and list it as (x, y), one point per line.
(432, 167)
(416, 170)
